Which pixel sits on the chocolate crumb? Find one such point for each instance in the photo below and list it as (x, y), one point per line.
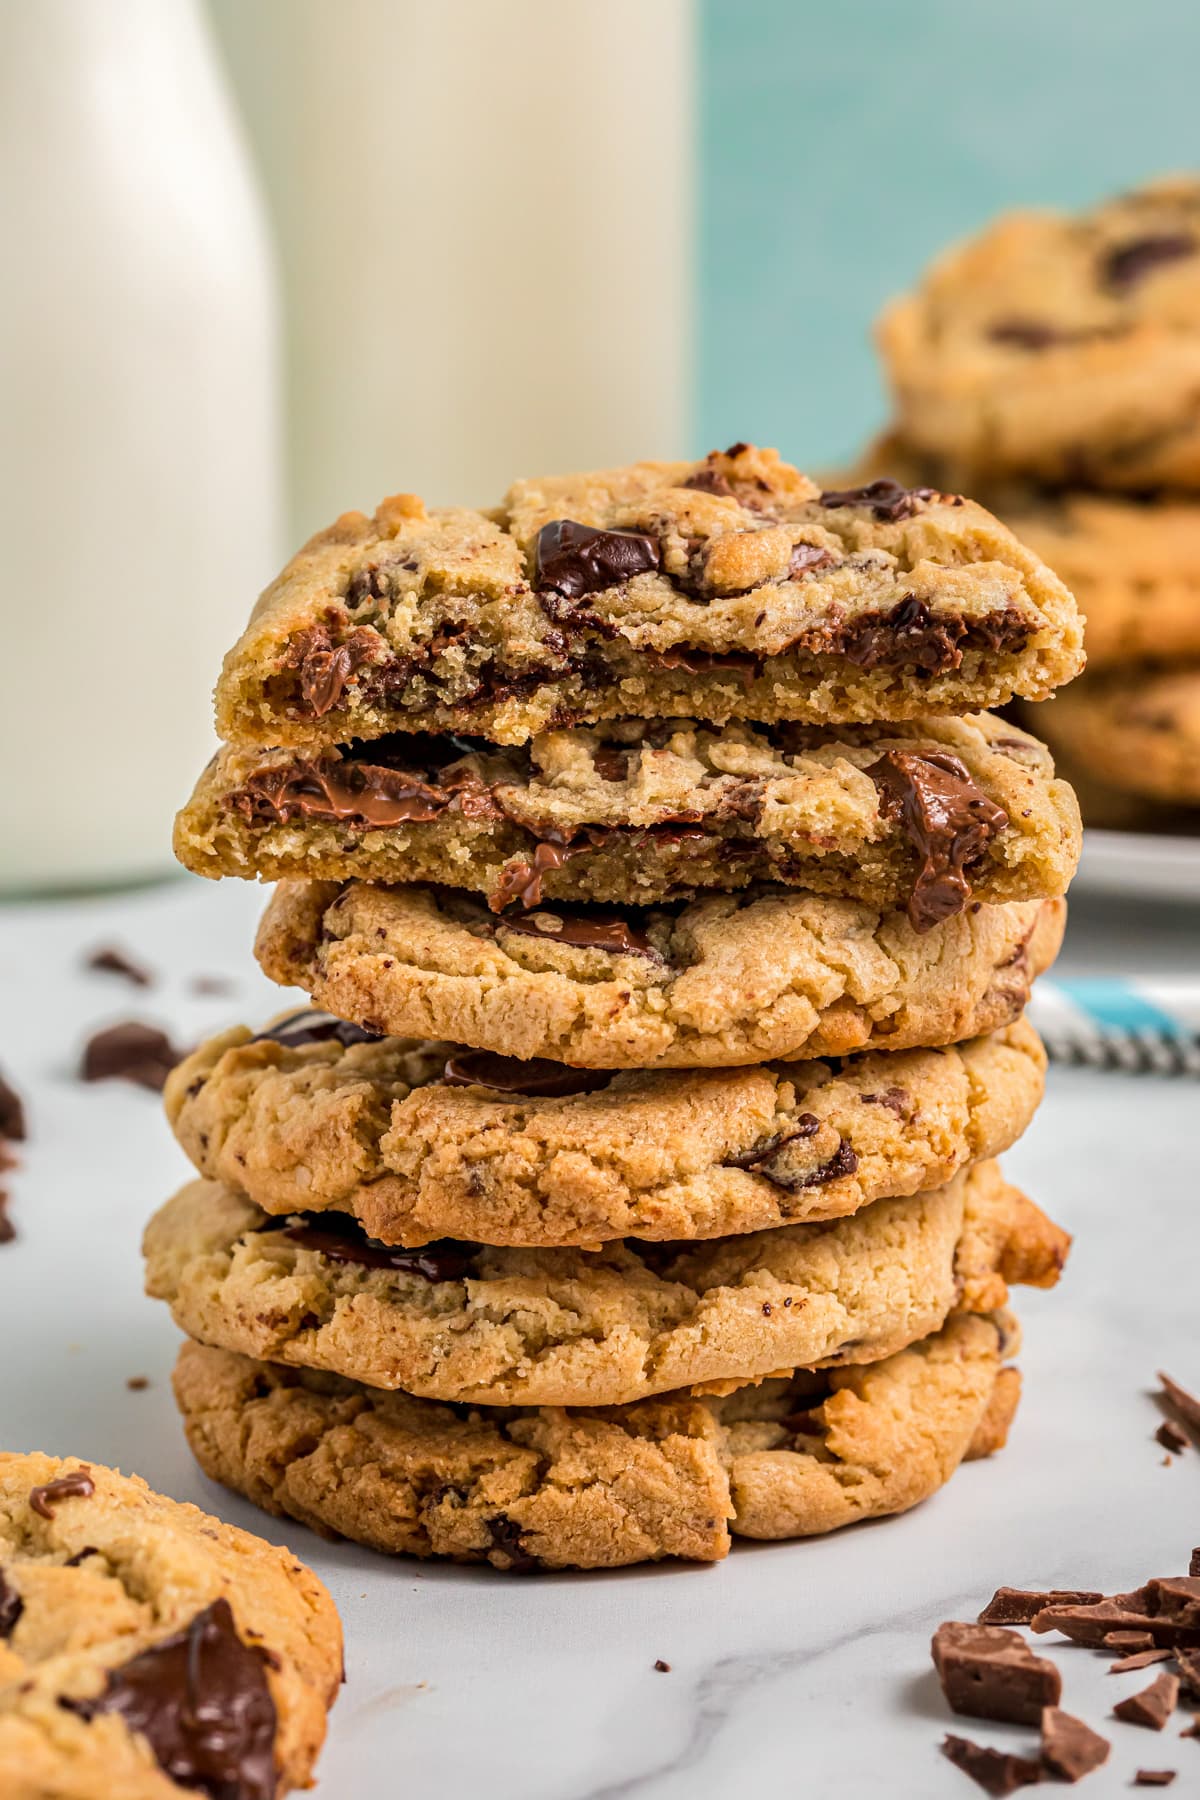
(113, 961)
(130, 1051)
(996, 1771)
(1071, 1749)
(1171, 1437)
(12, 1113)
(664, 1668)
(1018, 1606)
(991, 1673)
(1154, 1778)
(137, 1384)
(1153, 1706)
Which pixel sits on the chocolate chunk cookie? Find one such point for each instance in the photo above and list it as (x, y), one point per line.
(923, 815)
(148, 1650)
(563, 1327)
(552, 1489)
(1064, 349)
(420, 1141)
(1135, 730)
(729, 588)
(718, 981)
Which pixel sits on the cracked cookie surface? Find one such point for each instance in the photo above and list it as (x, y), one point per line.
(148, 1650)
(312, 1115)
(554, 1488)
(1066, 349)
(728, 588)
(564, 1327)
(923, 815)
(723, 980)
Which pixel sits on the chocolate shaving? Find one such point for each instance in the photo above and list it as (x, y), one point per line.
(1071, 1749)
(112, 961)
(1126, 1641)
(1153, 1706)
(538, 1078)
(1188, 1663)
(201, 1701)
(991, 1673)
(948, 820)
(997, 1772)
(78, 1485)
(12, 1113)
(11, 1607)
(130, 1051)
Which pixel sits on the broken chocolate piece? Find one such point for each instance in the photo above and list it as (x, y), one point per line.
(888, 500)
(1125, 1641)
(324, 667)
(1129, 263)
(1154, 1778)
(1071, 1749)
(1184, 1404)
(602, 929)
(991, 1673)
(664, 1668)
(997, 1772)
(1019, 1606)
(112, 961)
(505, 1533)
(78, 1485)
(202, 1702)
(509, 1075)
(11, 1607)
(1153, 1706)
(8, 1230)
(947, 819)
(311, 1027)
(342, 1239)
(521, 881)
(130, 1051)
(573, 560)
(1141, 1659)
(1172, 1438)
(12, 1113)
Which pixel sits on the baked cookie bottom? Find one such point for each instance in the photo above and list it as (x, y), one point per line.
(419, 1140)
(925, 815)
(147, 1648)
(557, 1488)
(718, 981)
(460, 1322)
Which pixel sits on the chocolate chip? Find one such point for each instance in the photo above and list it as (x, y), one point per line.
(341, 1239)
(505, 1534)
(112, 961)
(1129, 263)
(601, 929)
(324, 667)
(311, 1027)
(887, 499)
(948, 820)
(573, 560)
(202, 1703)
(707, 480)
(1153, 1706)
(992, 1673)
(997, 1772)
(73, 1562)
(1184, 1404)
(78, 1485)
(894, 1099)
(537, 1078)
(11, 1607)
(664, 1668)
(1027, 334)
(12, 1113)
(130, 1052)
(1071, 1749)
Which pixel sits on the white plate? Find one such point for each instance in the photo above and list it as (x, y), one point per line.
(1136, 862)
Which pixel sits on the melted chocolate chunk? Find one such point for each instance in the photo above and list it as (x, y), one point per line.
(505, 1534)
(612, 765)
(1128, 264)
(78, 1485)
(400, 779)
(807, 557)
(894, 1098)
(573, 560)
(343, 1240)
(844, 1160)
(888, 500)
(997, 1772)
(602, 929)
(130, 1052)
(112, 961)
(315, 1028)
(706, 662)
(991, 1673)
(805, 1125)
(1071, 1749)
(710, 481)
(947, 819)
(12, 1113)
(11, 1607)
(202, 1702)
(521, 881)
(324, 668)
(538, 1078)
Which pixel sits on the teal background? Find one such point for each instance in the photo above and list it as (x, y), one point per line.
(841, 146)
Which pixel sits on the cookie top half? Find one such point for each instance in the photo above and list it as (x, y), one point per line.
(148, 1650)
(731, 588)
(1066, 348)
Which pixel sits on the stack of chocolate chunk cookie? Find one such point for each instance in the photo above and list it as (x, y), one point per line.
(670, 918)
(1053, 365)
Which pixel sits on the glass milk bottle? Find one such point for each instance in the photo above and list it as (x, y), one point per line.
(139, 457)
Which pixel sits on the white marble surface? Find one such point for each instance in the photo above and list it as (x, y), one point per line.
(805, 1665)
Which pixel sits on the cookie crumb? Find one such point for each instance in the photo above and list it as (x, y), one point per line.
(110, 960)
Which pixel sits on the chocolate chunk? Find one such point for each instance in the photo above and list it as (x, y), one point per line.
(1175, 1597)
(1171, 1437)
(1188, 1661)
(997, 1772)
(202, 1702)
(78, 1485)
(1154, 1778)
(1194, 1563)
(130, 1052)
(887, 499)
(612, 765)
(1027, 334)
(601, 929)
(537, 1078)
(324, 667)
(12, 1113)
(992, 1673)
(1019, 1606)
(521, 881)
(947, 819)
(710, 481)
(137, 1384)
(1153, 1706)
(73, 1562)
(315, 1028)
(894, 1099)
(1071, 1749)
(1184, 1404)
(573, 560)
(112, 961)
(505, 1534)
(1141, 1659)
(1091, 1624)
(1127, 1641)
(805, 558)
(1128, 264)
(342, 1239)
(11, 1607)
(664, 1668)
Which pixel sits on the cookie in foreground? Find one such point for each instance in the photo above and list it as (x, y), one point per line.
(556, 1488)
(147, 1649)
(728, 588)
